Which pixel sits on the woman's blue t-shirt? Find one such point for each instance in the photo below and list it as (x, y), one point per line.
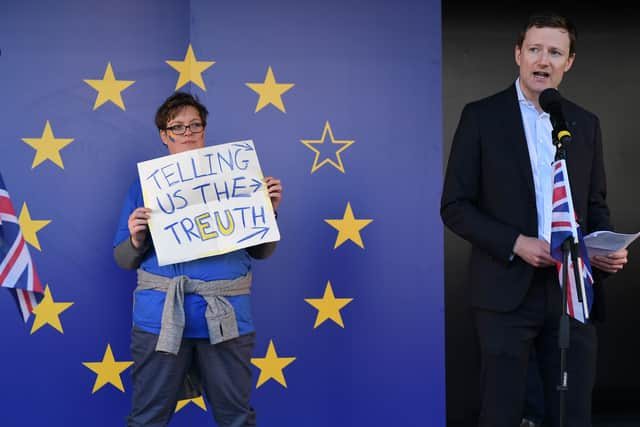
(148, 304)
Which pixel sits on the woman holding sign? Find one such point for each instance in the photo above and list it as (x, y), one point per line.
(192, 325)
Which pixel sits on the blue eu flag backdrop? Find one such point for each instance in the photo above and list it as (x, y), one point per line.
(343, 102)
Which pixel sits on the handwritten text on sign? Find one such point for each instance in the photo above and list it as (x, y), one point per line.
(207, 202)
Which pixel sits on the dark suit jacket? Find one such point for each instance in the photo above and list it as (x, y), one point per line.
(488, 196)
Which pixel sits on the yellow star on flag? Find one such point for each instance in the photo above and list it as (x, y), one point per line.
(190, 69)
(270, 91)
(343, 144)
(348, 227)
(109, 89)
(108, 371)
(47, 312)
(30, 227)
(271, 366)
(328, 306)
(47, 147)
(198, 401)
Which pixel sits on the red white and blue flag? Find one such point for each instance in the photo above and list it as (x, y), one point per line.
(565, 225)
(17, 272)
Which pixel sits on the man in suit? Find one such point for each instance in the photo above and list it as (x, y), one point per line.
(497, 195)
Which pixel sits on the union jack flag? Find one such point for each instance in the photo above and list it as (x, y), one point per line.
(17, 272)
(565, 225)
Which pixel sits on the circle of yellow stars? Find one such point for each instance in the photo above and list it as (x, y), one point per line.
(270, 92)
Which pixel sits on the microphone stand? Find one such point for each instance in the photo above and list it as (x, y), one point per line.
(569, 248)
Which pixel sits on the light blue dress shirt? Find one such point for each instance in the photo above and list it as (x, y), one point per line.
(537, 129)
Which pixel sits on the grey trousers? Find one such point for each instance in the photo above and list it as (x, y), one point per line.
(224, 370)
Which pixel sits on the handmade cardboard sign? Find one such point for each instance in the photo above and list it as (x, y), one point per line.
(206, 202)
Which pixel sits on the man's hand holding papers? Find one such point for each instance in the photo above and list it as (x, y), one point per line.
(608, 250)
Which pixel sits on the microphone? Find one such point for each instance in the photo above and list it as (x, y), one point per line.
(551, 102)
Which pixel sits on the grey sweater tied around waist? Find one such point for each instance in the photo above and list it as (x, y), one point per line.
(220, 315)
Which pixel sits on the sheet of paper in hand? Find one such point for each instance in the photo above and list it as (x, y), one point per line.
(207, 202)
(606, 242)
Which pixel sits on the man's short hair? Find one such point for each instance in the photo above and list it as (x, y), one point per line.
(550, 20)
(172, 106)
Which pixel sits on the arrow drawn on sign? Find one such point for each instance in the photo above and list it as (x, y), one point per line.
(245, 146)
(263, 230)
(256, 184)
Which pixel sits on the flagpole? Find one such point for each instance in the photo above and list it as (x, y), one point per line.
(579, 275)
